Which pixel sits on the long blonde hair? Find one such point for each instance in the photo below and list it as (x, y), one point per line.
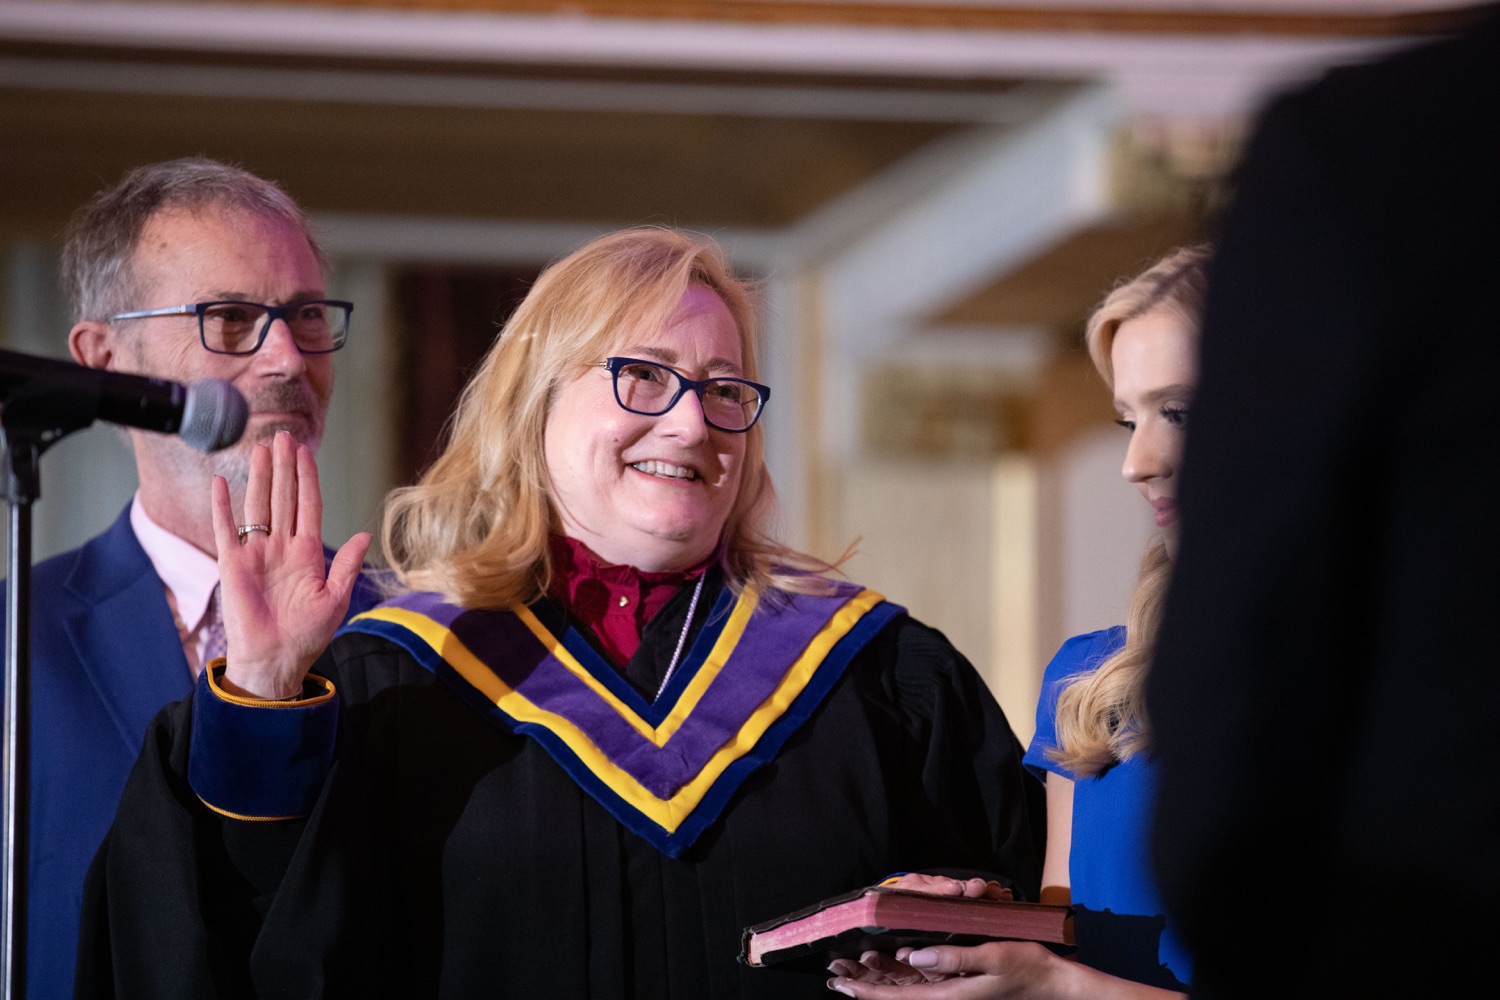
(475, 527)
(1101, 714)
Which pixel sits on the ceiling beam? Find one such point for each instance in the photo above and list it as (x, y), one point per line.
(1284, 18)
(746, 100)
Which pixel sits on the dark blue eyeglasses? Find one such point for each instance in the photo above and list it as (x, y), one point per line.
(651, 389)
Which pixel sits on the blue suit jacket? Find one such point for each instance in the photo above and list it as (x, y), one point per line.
(105, 658)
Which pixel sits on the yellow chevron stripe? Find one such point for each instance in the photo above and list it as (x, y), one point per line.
(667, 813)
(555, 646)
(681, 805)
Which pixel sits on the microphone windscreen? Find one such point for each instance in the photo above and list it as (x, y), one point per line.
(214, 415)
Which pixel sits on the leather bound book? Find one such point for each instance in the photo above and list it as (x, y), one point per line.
(883, 919)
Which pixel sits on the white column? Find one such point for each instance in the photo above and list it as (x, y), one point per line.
(357, 461)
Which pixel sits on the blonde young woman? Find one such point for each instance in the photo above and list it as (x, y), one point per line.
(1092, 743)
(613, 722)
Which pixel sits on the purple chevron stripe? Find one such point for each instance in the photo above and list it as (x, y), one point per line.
(773, 639)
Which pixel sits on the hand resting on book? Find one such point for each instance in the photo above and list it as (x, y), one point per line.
(998, 970)
(877, 967)
(942, 885)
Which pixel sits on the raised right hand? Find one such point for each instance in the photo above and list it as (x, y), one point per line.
(280, 606)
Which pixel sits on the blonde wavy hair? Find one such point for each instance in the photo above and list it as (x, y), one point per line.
(1101, 714)
(475, 527)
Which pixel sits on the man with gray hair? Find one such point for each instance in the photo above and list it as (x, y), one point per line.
(185, 270)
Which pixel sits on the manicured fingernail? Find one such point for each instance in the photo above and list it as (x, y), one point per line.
(837, 985)
(922, 958)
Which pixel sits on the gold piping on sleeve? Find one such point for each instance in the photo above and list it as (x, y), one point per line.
(248, 819)
(216, 667)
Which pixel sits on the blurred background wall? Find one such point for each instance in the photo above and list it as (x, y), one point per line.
(932, 194)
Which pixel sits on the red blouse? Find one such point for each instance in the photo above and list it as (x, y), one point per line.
(614, 602)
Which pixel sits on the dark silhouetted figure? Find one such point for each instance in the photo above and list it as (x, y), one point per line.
(1327, 683)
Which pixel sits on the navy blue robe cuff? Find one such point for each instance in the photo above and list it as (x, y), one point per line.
(260, 760)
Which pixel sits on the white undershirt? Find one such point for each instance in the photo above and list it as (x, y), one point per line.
(189, 576)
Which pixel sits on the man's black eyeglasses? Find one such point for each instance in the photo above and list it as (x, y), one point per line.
(319, 326)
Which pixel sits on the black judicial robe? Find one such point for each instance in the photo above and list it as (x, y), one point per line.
(447, 857)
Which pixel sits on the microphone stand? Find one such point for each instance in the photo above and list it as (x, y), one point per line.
(28, 432)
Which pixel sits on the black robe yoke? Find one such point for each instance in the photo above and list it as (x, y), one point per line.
(447, 857)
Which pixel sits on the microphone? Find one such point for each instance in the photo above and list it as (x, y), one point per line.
(208, 414)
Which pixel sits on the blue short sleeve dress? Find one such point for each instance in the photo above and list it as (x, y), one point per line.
(1121, 923)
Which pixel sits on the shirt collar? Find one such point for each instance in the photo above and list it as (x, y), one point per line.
(571, 560)
(186, 570)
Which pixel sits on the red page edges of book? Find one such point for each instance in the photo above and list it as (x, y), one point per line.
(884, 919)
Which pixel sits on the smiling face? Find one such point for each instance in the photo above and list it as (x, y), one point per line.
(649, 492)
(1154, 363)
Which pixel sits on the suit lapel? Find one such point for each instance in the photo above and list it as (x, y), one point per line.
(123, 633)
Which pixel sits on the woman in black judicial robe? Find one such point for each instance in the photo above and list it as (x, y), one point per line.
(611, 724)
